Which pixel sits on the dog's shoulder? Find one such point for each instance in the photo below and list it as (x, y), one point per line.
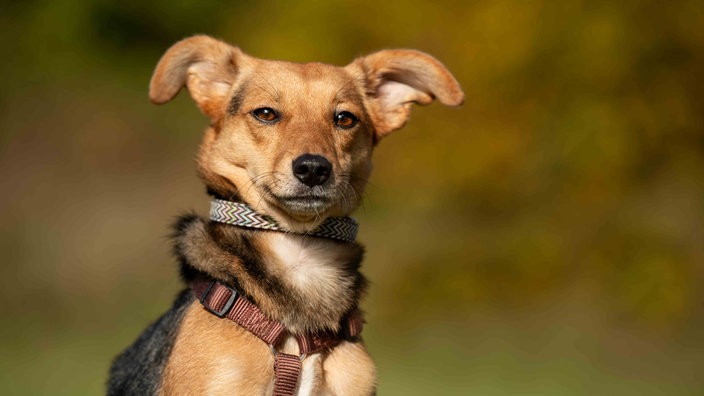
(138, 370)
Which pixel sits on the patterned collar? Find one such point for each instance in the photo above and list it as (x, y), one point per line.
(241, 214)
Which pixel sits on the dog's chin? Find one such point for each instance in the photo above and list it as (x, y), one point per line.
(304, 206)
(297, 213)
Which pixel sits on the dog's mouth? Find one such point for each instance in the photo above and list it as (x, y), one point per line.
(310, 202)
(304, 203)
(300, 202)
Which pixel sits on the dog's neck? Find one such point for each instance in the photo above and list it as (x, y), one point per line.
(307, 283)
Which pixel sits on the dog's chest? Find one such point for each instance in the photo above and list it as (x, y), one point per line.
(306, 263)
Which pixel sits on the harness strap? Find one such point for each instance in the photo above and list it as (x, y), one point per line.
(287, 371)
(225, 302)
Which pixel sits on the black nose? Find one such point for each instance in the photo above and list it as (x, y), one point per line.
(311, 170)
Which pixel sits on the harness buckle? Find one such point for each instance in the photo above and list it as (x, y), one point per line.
(225, 308)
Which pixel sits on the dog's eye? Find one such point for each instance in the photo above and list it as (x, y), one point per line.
(266, 114)
(346, 120)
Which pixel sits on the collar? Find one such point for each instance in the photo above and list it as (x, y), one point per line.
(241, 214)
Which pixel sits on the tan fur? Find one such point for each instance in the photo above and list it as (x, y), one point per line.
(308, 284)
(227, 151)
(242, 157)
(400, 78)
(216, 357)
(349, 370)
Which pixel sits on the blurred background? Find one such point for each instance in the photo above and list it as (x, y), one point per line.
(547, 238)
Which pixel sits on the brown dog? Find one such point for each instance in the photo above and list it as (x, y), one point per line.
(294, 143)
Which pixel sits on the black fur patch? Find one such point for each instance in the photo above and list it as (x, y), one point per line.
(219, 187)
(211, 192)
(139, 369)
(239, 245)
(236, 101)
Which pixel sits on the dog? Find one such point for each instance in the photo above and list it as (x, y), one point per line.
(273, 280)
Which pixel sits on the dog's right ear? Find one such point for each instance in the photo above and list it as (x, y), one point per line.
(395, 79)
(207, 66)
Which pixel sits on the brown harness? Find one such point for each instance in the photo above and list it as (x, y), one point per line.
(225, 302)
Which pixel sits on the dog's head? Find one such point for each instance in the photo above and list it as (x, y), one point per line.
(294, 141)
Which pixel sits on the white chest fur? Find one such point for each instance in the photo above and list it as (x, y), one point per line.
(309, 264)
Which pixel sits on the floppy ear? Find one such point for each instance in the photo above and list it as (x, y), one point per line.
(395, 79)
(207, 66)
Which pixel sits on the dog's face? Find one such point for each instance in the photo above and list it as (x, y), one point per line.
(294, 141)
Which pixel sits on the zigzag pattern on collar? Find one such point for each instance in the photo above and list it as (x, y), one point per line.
(240, 214)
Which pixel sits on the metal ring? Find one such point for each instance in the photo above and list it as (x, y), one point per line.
(275, 352)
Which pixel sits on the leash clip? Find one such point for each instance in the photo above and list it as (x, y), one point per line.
(226, 307)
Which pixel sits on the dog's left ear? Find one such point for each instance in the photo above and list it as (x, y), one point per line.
(208, 67)
(395, 79)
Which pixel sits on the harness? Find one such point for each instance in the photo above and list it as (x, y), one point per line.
(225, 302)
